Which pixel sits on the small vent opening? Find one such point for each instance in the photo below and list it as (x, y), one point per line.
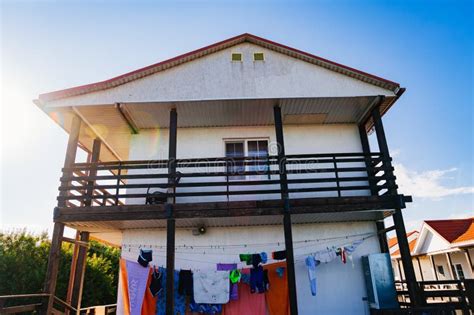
(236, 57)
(258, 56)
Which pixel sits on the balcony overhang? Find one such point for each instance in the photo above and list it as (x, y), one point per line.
(116, 123)
(236, 213)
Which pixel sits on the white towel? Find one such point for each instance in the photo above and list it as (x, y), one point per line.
(211, 287)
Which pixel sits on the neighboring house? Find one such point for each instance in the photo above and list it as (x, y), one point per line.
(442, 250)
(262, 146)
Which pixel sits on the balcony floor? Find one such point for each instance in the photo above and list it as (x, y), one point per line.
(237, 213)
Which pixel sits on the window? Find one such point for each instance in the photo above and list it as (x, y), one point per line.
(247, 148)
(258, 56)
(258, 149)
(236, 57)
(235, 166)
(458, 272)
(440, 270)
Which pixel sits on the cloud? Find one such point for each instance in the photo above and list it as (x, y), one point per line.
(428, 184)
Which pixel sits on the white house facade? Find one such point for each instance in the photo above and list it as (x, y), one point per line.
(241, 147)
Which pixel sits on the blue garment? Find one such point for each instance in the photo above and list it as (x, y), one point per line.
(258, 280)
(263, 257)
(311, 265)
(179, 300)
(245, 278)
(205, 308)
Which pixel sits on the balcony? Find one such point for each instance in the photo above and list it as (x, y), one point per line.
(343, 186)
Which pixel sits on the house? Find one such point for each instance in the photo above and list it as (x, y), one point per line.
(442, 250)
(242, 146)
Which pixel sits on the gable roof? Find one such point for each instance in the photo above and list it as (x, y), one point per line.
(412, 238)
(187, 57)
(394, 241)
(454, 231)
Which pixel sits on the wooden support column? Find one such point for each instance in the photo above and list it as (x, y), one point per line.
(452, 272)
(58, 230)
(469, 261)
(93, 172)
(414, 290)
(290, 260)
(433, 265)
(382, 236)
(78, 284)
(170, 224)
(419, 268)
(364, 141)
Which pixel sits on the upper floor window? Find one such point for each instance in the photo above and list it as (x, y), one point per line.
(247, 148)
(440, 270)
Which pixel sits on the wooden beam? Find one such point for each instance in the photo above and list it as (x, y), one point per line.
(290, 260)
(53, 266)
(416, 296)
(364, 140)
(127, 118)
(382, 236)
(434, 268)
(420, 269)
(93, 172)
(170, 224)
(75, 242)
(30, 308)
(227, 209)
(451, 266)
(72, 272)
(58, 230)
(80, 271)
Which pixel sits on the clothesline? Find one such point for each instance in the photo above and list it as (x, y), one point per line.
(300, 257)
(244, 245)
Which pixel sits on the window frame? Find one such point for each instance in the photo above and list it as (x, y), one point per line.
(245, 141)
(459, 272)
(259, 52)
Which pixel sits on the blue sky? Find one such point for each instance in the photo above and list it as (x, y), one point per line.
(427, 46)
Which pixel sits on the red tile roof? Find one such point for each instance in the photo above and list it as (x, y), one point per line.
(454, 231)
(394, 241)
(411, 245)
(140, 73)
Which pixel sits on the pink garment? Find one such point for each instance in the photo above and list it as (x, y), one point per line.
(248, 303)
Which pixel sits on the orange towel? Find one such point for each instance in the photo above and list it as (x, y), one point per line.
(149, 301)
(277, 296)
(124, 280)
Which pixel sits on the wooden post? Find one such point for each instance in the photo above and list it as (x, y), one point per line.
(382, 236)
(469, 261)
(434, 268)
(72, 272)
(93, 171)
(420, 269)
(414, 291)
(170, 224)
(364, 140)
(290, 260)
(58, 230)
(400, 270)
(451, 267)
(78, 284)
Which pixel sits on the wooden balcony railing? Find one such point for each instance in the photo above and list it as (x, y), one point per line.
(225, 179)
(442, 294)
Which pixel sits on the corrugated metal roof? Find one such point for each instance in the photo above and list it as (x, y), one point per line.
(103, 226)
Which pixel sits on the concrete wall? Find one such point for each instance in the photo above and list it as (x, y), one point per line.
(340, 286)
(216, 77)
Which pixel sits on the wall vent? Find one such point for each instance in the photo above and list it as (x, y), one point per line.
(259, 56)
(236, 56)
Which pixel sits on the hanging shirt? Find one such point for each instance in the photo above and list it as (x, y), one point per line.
(259, 282)
(211, 287)
(179, 300)
(311, 265)
(325, 255)
(234, 292)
